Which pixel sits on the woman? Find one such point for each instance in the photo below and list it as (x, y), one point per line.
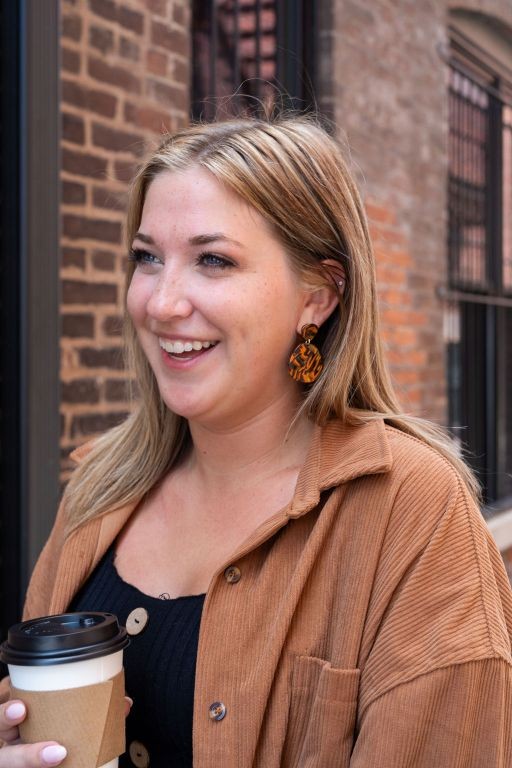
(353, 608)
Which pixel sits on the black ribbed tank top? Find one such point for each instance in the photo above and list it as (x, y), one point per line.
(159, 665)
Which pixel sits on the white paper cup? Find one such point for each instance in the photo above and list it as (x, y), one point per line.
(71, 650)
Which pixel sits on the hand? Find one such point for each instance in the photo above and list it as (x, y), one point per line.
(15, 755)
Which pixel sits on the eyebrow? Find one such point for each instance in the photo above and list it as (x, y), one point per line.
(205, 239)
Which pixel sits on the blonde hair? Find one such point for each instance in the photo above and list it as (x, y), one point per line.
(296, 176)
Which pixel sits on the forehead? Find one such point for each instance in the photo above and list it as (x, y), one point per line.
(194, 198)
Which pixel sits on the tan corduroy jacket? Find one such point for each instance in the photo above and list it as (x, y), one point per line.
(370, 627)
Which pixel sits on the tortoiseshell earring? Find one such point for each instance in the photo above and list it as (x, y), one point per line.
(306, 362)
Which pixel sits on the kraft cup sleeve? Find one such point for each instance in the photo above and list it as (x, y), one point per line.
(88, 721)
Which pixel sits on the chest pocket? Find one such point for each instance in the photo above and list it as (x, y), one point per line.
(322, 715)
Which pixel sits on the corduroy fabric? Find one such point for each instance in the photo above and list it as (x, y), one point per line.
(370, 627)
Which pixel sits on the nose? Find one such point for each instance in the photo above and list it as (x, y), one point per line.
(169, 299)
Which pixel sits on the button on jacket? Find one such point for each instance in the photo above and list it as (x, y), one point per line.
(368, 625)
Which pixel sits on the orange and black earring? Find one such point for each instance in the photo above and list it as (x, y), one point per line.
(306, 361)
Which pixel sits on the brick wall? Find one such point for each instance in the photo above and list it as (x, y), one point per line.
(125, 73)
(385, 86)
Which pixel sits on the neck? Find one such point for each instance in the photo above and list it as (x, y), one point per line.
(263, 445)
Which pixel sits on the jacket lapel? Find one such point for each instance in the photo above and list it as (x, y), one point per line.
(81, 552)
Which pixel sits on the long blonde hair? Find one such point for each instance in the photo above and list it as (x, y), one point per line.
(296, 176)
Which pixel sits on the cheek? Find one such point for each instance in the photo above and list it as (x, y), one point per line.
(136, 300)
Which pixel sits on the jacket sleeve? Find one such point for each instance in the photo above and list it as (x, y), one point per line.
(456, 716)
(37, 600)
(436, 665)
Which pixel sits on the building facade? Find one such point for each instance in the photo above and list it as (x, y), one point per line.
(421, 95)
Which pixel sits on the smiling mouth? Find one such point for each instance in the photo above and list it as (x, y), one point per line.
(185, 350)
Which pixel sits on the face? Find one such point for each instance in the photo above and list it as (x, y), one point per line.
(214, 301)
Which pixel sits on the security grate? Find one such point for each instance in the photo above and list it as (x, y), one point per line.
(479, 332)
(251, 52)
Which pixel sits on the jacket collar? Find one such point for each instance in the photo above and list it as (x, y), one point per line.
(340, 452)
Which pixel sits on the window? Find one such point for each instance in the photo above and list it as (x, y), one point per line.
(254, 48)
(480, 267)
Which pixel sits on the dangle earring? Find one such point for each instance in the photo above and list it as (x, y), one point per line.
(306, 362)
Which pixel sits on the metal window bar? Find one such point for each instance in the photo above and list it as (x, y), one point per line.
(260, 50)
(479, 311)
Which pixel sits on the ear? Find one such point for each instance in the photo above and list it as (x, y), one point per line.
(320, 302)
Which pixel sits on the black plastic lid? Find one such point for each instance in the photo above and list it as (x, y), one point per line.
(62, 639)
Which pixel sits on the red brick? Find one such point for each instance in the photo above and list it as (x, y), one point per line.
(181, 70)
(73, 128)
(108, 357)
(160, 7)
(163, 36)
(83, 164)
(73, 194)
(101, 38)
(80, 391)
(113, 325)
(132, 20)
(72, 27)
(169, 95)
(95, 423)
(70, 60)
(89, 99)
(104, 260)
(107, 9)
(146, 117)
(73, 257)
(81, 292)
(77, 326)
(377, 213)
(118, 76)
(102, 197)
(179, 14)
(117, 141)
(80, 227)
(156, 62)
(117, 390)
(124, 171)
(129, 49)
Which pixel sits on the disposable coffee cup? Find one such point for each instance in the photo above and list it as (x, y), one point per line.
(69, 671)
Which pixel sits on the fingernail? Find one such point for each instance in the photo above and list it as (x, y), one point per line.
(53, 755)
(15, 711)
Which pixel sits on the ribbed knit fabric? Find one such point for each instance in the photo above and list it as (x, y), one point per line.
(159, 664)
(370, 626)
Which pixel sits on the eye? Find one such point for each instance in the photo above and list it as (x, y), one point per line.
(143, 258)
(213, 261)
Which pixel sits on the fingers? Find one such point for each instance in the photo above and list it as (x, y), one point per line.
(11, 714)
(128, 705)
(42, 755)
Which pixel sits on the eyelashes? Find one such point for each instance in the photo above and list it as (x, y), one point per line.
(138, 256)
(212, 261)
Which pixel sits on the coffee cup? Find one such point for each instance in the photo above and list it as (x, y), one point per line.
(68, 669)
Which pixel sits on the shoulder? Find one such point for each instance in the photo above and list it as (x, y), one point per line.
(82, 451)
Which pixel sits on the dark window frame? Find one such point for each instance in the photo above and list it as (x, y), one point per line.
(30, 397)
(477, 295)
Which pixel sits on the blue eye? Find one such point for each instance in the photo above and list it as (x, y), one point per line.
(142, 258)
(213, 260)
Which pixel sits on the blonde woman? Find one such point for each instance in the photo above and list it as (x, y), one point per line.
(306, 572)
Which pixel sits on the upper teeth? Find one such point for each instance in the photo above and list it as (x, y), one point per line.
(177, 347)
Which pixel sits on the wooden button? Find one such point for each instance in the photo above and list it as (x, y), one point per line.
(232, 574)
(139, 754)
(137, 621)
